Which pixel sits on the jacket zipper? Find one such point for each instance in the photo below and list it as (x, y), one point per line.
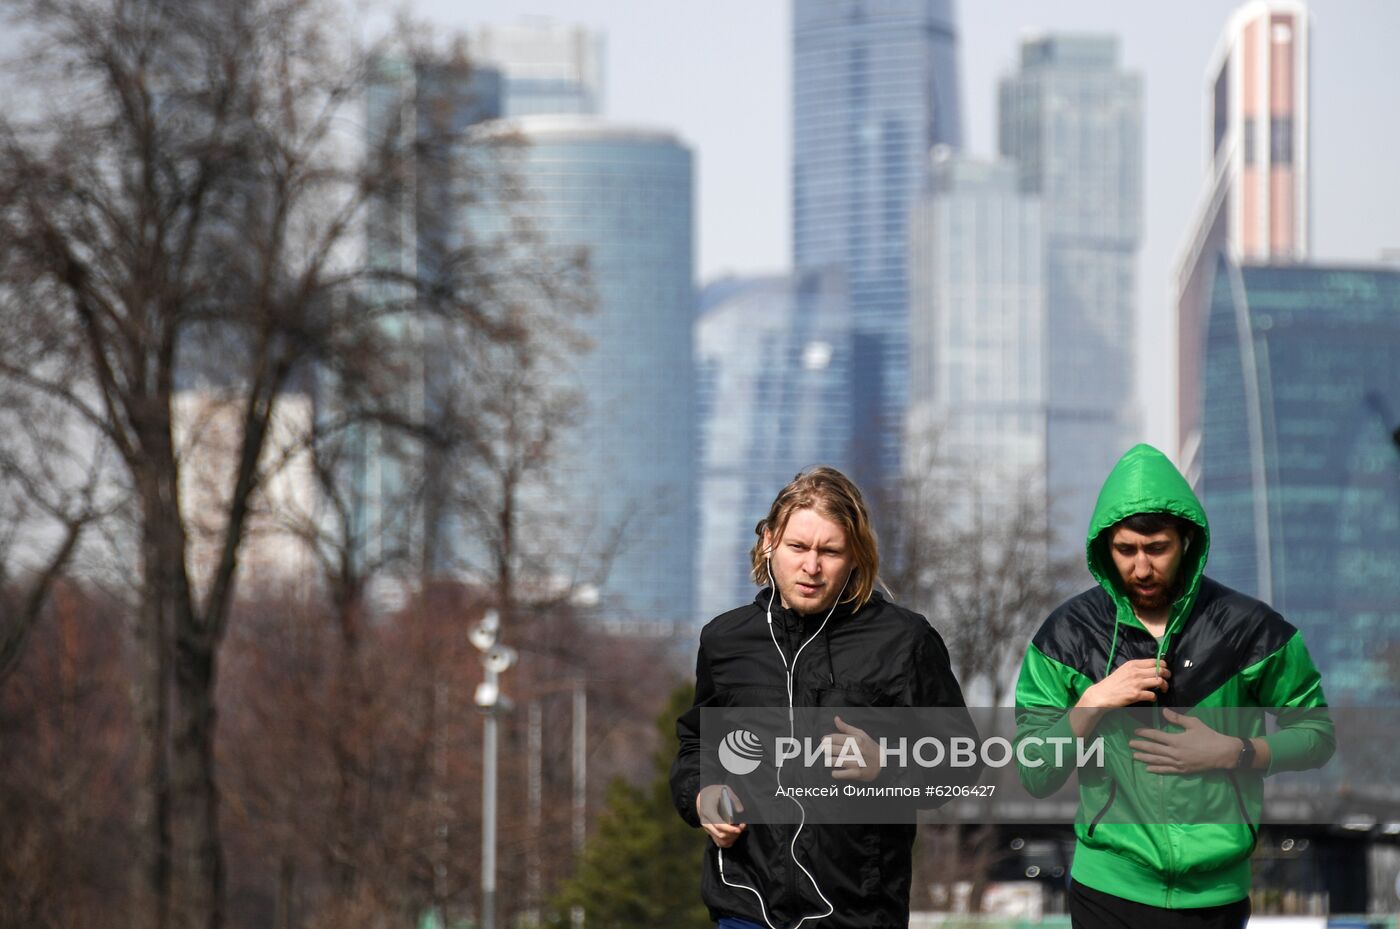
(1162, 647)
(1112, 794)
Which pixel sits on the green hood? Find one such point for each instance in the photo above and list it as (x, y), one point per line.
(1145, 481)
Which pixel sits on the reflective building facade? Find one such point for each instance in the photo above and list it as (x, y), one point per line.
(426, 106)
(546, 67)
(773, 368)
(1257, 204)
(623, 197)
(1071, 118)
(977, 325)
(1300, 463)
(875, 86)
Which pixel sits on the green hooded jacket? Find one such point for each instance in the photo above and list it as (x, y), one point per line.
(1166, 840)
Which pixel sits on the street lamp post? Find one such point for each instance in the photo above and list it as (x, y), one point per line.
(495, 660)
(577, 689)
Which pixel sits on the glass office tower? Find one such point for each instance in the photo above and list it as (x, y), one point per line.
(424, 107)
(1257, 205)
(875, 86)
(546, 67)
(1071, 117)
(977, 328)
(622, 196)
(1301, 459)
(773, 367)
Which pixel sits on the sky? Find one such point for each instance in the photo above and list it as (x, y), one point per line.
(718, 74)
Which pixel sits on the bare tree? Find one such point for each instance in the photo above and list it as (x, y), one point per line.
(26, 507)
(183, 199)
(51, 491)
(972, 547)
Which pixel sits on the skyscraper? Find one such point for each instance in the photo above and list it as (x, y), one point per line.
(622, 196)
(875, 86)
(1300, 459)
(773, 367)
(1257, 202)
(977, 325)
(1071, 118)
(546, 67)
(424, 107)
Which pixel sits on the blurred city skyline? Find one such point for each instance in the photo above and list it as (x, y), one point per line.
(326, 400)
(719, 76)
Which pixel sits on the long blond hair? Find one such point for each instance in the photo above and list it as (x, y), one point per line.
(834, 496)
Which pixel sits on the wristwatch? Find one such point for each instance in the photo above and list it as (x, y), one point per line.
(1246, 758)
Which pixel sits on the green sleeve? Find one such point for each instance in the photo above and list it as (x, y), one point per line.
(1288, 682)
(1045, 690)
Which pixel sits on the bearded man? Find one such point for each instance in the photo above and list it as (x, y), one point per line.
(1166, 827)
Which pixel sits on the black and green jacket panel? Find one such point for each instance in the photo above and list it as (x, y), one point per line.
(1167, 840)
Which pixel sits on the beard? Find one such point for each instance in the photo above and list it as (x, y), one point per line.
(1159, 598)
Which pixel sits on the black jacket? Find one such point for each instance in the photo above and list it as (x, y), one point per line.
(880, 655)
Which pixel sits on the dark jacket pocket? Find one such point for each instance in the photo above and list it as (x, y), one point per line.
(1103, 810)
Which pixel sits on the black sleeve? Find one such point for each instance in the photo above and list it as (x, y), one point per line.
(931, 680)
(932, 683)
(685, 770)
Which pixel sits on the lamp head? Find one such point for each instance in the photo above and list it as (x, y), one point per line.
(483, 634)
(499, 659)
(488, 693)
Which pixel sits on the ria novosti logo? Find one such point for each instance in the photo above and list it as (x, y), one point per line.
(741, 752)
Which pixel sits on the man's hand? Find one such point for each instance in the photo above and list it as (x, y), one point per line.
(846, 741)
(1132, 682)
(1197, 748)
(712, 819)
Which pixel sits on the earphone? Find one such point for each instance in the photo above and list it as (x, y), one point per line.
(790, 668)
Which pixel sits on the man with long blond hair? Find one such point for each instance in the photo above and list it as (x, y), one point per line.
(818, 633)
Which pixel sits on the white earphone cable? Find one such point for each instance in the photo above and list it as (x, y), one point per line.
(790, 668)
